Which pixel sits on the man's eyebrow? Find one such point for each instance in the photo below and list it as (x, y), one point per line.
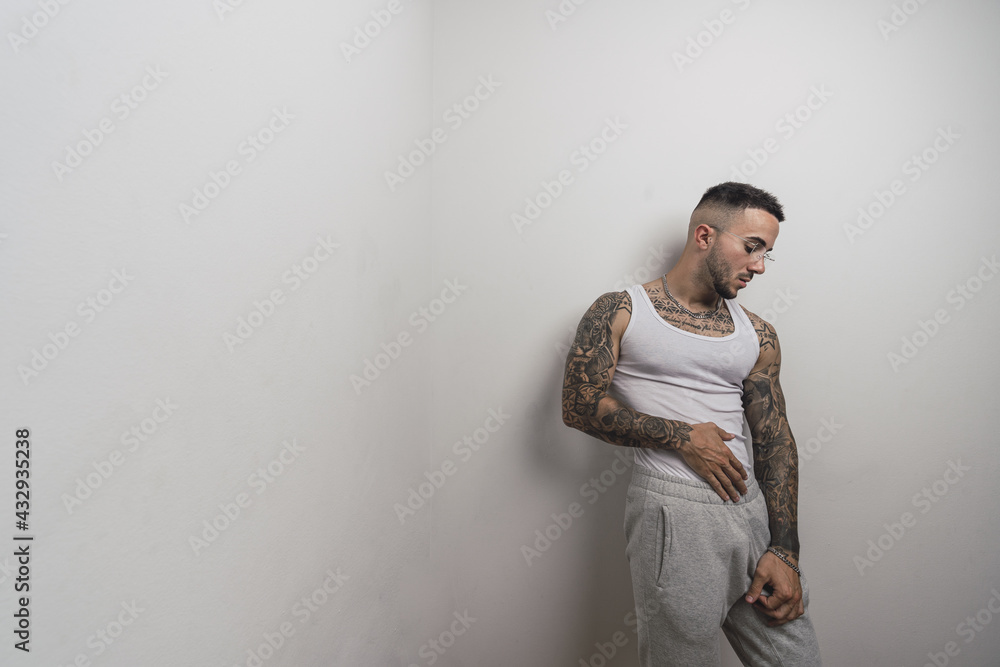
(759, 241)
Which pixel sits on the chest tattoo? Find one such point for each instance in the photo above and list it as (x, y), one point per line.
(718, 325)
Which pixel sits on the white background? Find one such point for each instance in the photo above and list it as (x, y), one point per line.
(842, 301)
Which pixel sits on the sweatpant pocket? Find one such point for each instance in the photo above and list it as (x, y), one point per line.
(663, 545)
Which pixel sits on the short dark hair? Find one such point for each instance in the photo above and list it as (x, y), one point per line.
(735, 197)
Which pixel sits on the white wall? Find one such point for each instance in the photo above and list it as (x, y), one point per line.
(841, 300)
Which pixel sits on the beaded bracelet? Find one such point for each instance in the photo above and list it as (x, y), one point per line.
(785, 559)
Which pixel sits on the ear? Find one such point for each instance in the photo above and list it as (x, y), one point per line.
(704, 236)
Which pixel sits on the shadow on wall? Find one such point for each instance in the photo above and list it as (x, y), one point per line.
(595, 477)
(562, 456)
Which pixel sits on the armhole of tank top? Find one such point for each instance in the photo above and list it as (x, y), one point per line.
(631, 317)
(745, 316)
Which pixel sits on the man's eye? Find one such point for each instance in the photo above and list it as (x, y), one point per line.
(750, 249)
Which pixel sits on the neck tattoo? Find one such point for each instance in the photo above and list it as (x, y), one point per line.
(699, 316)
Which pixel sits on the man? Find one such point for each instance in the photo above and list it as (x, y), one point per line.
(671, 368)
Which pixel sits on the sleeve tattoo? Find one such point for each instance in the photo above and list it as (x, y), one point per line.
(775, 459)
(589, 369)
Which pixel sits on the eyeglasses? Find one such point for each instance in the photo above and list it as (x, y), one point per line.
(753, 247)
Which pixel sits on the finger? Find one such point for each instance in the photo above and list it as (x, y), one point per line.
(727, 484)
(725, 435)
(756, 586)
(781, 615)
(736, 474)
(783, 594)
(797, 610)
(735, 462)
(778, 605)
(765, 604)
(714, 483)
(793, 613)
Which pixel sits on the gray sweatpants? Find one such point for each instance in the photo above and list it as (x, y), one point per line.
(692, 558)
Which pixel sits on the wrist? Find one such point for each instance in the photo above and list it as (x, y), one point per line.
(789, 559)
(676, 435)
(787, 553)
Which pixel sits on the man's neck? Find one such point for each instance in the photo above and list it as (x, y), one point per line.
(691, 293)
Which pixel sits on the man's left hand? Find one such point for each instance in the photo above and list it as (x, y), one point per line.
(785, 603)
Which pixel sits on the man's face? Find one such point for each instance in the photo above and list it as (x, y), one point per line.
(730, 262)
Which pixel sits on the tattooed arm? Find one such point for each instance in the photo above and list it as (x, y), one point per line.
(590, 367)
(587, 406)
(775, 459)
(776, 467)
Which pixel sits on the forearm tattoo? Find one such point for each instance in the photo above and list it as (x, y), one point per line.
(775, 458)
(589, 370)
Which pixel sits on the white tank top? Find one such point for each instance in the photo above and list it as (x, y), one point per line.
(675, 374)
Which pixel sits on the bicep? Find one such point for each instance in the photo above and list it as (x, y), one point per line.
(763, 401)
(594, 353)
